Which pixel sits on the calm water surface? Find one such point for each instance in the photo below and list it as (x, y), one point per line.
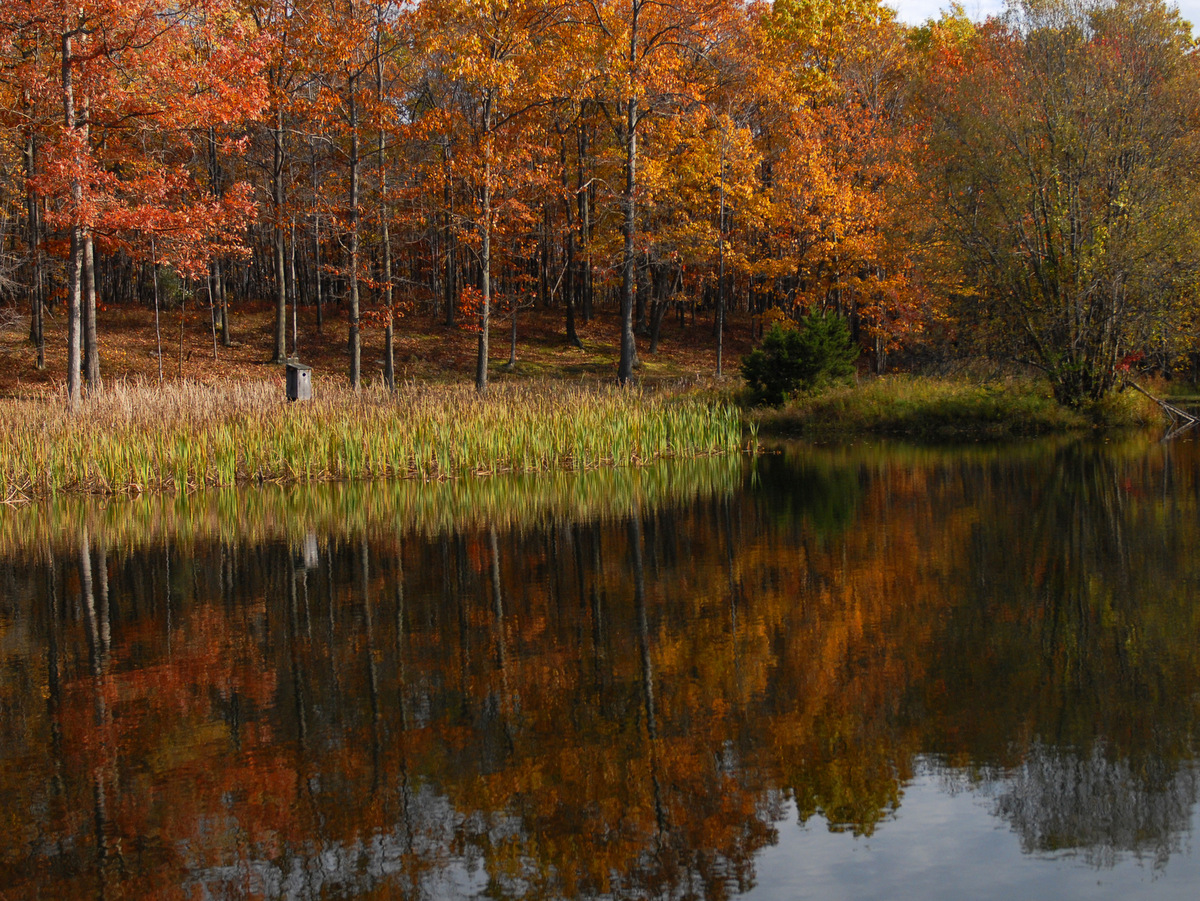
(857, 673)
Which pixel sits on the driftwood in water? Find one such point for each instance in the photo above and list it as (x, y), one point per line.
(1181, 420)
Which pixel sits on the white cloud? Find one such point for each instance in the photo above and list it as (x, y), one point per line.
(915, 12)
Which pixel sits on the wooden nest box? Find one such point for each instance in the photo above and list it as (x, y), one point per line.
(299, 381)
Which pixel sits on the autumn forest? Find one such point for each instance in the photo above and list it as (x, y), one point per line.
(1021, 189)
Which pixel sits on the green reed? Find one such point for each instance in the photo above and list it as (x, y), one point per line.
(186, 437)
(376, 508)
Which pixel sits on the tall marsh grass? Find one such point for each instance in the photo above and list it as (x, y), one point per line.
(185, 437)
(949, 409)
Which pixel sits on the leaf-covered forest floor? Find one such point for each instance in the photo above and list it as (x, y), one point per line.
(430, 352)
(426, 349)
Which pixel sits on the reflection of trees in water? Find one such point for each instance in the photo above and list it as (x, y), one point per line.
(1059, 800)
(802, 491)
(1071, 661)
(589, 708)
(363, 864)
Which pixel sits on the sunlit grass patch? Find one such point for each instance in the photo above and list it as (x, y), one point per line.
(186, 436)
(948, 409)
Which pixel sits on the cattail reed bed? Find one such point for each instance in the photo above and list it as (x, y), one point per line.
(184, 437)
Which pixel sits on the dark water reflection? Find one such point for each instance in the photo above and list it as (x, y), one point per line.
(683, 682)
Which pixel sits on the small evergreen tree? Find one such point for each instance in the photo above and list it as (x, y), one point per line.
(817, 351)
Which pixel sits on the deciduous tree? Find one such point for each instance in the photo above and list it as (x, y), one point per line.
(1062, 144)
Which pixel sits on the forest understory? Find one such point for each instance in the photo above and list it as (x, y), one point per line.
(426, 349)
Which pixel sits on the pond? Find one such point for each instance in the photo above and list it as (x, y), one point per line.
(859, 672)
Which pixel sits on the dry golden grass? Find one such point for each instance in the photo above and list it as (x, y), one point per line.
(185, 436)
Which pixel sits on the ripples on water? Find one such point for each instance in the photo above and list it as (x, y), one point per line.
(859, 673)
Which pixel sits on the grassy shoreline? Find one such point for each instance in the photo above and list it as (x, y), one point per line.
(927, 409)
(184, 437)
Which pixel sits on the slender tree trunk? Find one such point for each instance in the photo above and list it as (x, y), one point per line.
(39, 319)
(574, 282)
(721, 268)
(74, 317)
(216, 284)
(75, 263)
(312, 149)
(91, 345)
(157, 322)
(642, 295)
(355, 337)
(277, 198)
(212, 312)
(182, 321)
(628, 347)
(37, 333)
(451, 241)
(223, 302)
(658, 309)
(512, 342)
(294, 289)
(485, 283)
(389, 351)
(571, 288)
(485, 254)
(585, 232)
(544, 255)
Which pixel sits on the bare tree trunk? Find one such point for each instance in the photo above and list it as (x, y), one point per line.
(658, 309)
(75, 264)
(91, 345)
(216, 300)
(37, 333)
(485, 254)
(157, 323)
(223, 303)
(451, 241)
(389, 351)
(355, 343)
(212, 311)
(574, 283)
(544, 255)
(585, 230)
(628, 347)
(512, 343)
(182, 321)
(312, 149)
(485, 262)
(294, 289)
(91, 349)
(279, 354)
(721, 268)
(571, 289)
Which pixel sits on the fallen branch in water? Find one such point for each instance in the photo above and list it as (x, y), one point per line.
(1184, 419)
